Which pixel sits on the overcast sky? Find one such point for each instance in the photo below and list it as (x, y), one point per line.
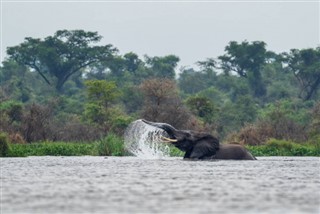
(192, 30)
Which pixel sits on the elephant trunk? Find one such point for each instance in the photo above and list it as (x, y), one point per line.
(164, 126)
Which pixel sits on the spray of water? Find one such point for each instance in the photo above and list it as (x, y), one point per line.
(143, 141)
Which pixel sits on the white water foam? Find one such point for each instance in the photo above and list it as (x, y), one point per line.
(143, 141)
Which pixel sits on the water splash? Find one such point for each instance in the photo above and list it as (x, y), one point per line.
(143, 140)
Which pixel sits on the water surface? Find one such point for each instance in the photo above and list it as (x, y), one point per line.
(132, 185)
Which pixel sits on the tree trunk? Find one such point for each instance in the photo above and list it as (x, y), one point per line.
(314, 88)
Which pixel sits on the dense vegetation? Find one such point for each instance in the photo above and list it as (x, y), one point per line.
(66, 88)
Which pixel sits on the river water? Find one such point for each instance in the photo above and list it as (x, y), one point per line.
(133, 185)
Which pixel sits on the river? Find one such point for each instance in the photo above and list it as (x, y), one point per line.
(133, 185)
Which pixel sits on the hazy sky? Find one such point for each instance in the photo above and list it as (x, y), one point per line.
(192, 30)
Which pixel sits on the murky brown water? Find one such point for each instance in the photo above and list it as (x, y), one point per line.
(133, 185)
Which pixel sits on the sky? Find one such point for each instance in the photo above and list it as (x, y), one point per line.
(192, 30)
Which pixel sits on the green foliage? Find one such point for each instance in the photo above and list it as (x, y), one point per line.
(101, 95)
(285, 148)
(247, 61)
(102, 92)
(58, 57)
(305, 64)
(112, 145)
(191, 81)
(52, 149)
(4, 145)
(13, 109)
(202, 107)
(234, 115)
(292, 109)
(247, 84)
(163, 67)
(214, 94)
(131, 98)
(118, 120)
(94, 113)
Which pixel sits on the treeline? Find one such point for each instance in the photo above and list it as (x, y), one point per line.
(65, 87)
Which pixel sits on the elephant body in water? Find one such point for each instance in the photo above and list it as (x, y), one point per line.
(198, 145)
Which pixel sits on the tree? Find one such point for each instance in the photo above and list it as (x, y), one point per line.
(101, 94)
(305, 65)
(191, 81)
(58, 57)
(203, 107)
(162, 104)
(235, 114)
(132, 61)
(246, 60)
(163, 67)
(13, 82)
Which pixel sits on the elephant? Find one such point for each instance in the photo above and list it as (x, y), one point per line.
(201, 146)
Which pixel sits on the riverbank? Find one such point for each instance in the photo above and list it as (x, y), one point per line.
(113, 145)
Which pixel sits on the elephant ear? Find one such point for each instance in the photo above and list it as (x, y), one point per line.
(205, 147)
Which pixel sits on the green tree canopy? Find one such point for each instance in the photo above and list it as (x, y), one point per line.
(202, 107)
(246, 59)
(163, 67)
(58, 57)
(305, 65)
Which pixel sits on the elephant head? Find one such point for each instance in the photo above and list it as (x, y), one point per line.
(199, 145)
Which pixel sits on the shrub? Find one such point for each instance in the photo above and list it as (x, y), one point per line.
(4, 145)
(16, 138)
(285, 148)
(75, 130)
(112, 145)
(38, 123)
(263, 130)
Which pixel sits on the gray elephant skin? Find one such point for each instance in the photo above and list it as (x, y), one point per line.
(201, 146)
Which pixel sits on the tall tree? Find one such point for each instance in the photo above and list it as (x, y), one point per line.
(163, 67)
(305, 65)
(246, 59)
(58, 57)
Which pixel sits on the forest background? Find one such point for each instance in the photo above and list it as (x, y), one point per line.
(66, 88)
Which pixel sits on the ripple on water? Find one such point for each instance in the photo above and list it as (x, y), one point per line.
(133, 185)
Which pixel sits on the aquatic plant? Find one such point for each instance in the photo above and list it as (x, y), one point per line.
(276, 147)
(52, 148)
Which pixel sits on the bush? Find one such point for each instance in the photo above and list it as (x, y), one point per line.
(263, 130)
(38, 123)
(112, 145)
(285, 148)
(4, 145)
(16, 138)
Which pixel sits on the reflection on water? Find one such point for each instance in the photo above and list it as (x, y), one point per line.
(170, 185)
